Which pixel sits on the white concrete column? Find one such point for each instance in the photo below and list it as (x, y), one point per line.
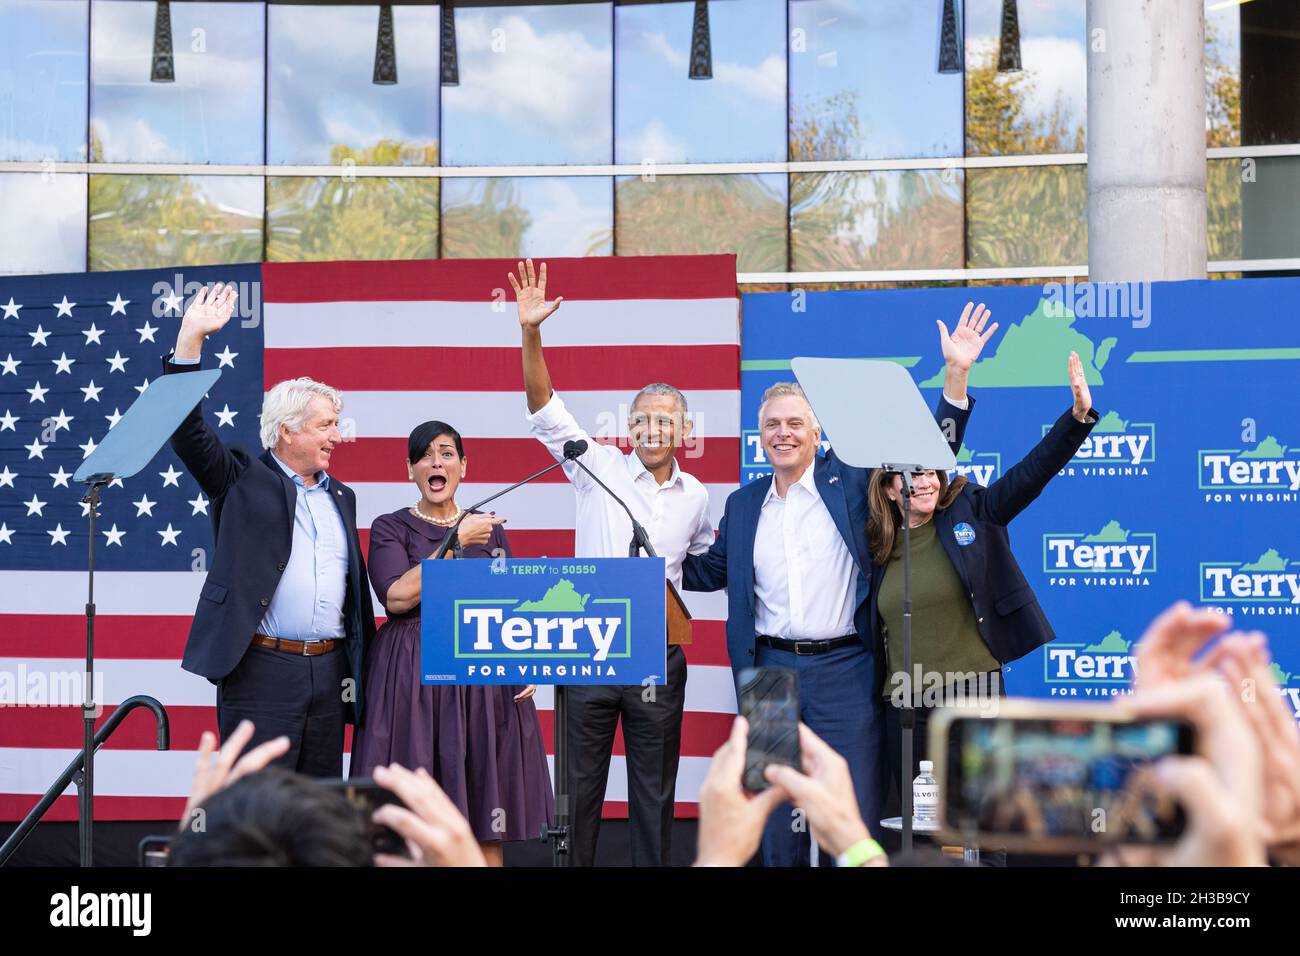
(1146, 140)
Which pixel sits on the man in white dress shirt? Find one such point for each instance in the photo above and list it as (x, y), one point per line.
(674, 509)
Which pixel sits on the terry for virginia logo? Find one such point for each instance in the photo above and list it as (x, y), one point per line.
(1102, 669)
(1265, 473)
(1269, 585)
(1113, 556)
(1114, 448)
(981, 467)
(560, 625)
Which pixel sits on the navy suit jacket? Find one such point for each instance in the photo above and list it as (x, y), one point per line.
(253, 503)
(1006, 611)
(730, 560)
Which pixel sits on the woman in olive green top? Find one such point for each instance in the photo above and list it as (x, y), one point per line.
(972, 609)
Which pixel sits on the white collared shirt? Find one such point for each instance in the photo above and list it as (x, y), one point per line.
(805, 581)
(675, 514)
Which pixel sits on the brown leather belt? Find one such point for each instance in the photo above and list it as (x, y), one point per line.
(306, 648)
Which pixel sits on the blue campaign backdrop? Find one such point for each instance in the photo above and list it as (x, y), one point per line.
(543, 621)
(1189, 487)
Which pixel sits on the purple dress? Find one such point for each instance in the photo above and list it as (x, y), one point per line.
(484, 749)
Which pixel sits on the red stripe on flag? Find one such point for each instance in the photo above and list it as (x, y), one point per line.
(128, 636)
(535, 543)
(506, 460)
(484, 280)
(702, 733)
(500, 369)
(15, 806)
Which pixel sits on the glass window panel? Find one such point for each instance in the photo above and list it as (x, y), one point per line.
(1027, 216)
(1252, 72)
(1270, 186)
(865, 83)
(1042, 107)
(1222, 76)
(143, 222)
(43, 53)
(535, 86)
(684, 215)
(42, 222)
(322, 103)
(902, 219)
(662, 115)
(527, 216)
(1223, 188)
(212, 111)
(329, 217)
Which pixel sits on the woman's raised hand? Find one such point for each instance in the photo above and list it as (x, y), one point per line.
(1079, 386)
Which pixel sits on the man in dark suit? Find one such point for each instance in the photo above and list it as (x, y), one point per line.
(793, 548)
(285, 614)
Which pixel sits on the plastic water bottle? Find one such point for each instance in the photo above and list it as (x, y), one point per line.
(925, 795)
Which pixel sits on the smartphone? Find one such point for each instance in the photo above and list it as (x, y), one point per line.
(1055, 777)
(769, 700)
(367, 797)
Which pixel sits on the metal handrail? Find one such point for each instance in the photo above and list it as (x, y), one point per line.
(73, 769)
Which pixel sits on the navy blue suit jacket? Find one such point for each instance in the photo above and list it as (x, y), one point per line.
(730, 560)
(253, 503)
(1006, 610)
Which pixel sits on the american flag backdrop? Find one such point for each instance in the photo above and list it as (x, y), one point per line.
(406, 342)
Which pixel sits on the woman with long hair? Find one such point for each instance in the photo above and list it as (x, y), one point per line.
(972, 608)
(483, 745)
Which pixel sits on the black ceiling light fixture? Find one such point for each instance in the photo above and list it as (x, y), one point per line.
(163, 69)
(701, 45)
(450, 66)
(1009, 43)
(949, 41)
(385, 49)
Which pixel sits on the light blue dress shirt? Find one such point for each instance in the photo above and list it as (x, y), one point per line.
(308, 603)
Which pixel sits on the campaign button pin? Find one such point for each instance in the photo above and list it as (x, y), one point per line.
(964, 534)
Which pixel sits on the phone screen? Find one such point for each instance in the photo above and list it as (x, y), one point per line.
(769, 700)
(1057, 783)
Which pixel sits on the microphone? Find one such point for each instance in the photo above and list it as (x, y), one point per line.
(640, 539)
(572, 449)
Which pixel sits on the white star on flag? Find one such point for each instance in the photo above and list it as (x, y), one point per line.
(200, 505)
(170, 477)
(58, 535)
(63, 364)
(37, 394)
(172, 302)
(7, 421)
(92, 391)
(10, 365)
(119, 305)
(114, 418)
(144, 506)
(87, 448)
(92, 334)
(62, 420)
(226, 416)
(147, 331)
(7, 477)
(34, 507)
(85, 510)
(60, 477)
(39, 336)
(36, 450)
(226, 358)
(141, 388)
(6, 536)
(114, 536)
(169, 536)
(64, 307)
(117, 363)
(11, 310)
(116, 483)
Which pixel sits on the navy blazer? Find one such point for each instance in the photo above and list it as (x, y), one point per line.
(730, 560)
(253, 503)
(1006, 611)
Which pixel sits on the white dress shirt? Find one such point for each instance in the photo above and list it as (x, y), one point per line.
(675, 514)
(805, 581)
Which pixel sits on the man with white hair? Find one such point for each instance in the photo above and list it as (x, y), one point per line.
(285, 614)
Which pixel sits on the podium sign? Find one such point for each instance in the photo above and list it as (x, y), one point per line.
(543, 621)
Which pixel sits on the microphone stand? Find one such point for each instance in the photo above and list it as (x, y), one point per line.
(640, 538)
(558, 835)
(907, 717)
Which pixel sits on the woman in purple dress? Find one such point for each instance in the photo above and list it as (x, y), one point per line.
(483, 744)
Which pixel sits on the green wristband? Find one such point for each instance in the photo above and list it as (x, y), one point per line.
(860, 854)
